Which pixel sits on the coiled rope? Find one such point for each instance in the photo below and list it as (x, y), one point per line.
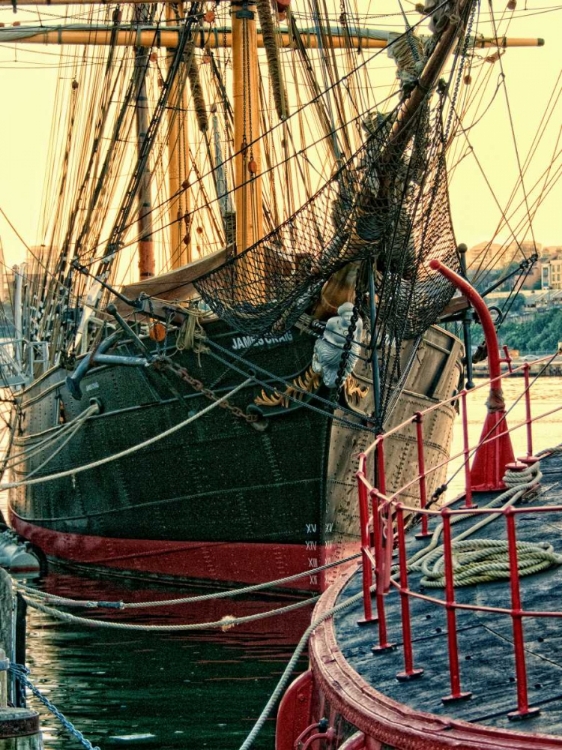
(192, 334)
(519, 484)
(485, 560)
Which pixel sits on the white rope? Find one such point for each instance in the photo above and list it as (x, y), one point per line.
(474, 561)
(249, 741)
(483, 560)
(93, 409)
(284, 679)
(27, 453)
(92, 604)
(225, 622)
(128, 451)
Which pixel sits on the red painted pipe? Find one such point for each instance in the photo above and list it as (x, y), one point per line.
(364, 522)
(483, 313)
(494, 451)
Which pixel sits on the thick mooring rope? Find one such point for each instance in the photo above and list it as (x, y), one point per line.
(224, 623)
(285, 677)
(90, 411)
(53, 436)
(230, 593)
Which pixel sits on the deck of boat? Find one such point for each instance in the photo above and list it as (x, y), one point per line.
(485, 640)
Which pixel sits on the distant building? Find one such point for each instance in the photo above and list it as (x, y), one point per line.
(500, 256)
(551, 269)
(6, 279)
(552, 251)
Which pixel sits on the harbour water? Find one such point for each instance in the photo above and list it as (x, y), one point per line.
(191, 689)
(181, 690)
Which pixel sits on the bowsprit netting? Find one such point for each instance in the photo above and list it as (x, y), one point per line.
(386, 204)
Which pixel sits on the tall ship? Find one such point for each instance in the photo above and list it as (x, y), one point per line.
(281, 192)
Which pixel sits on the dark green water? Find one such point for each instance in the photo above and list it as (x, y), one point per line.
(188, 690)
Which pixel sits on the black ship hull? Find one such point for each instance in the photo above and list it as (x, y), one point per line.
(222, 499)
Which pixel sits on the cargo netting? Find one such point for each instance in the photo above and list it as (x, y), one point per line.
(386, 203)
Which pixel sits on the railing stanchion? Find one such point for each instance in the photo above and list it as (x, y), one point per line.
(364, 523)
(523, 711)
(528, 420)
(466, 451)
(379, 576)
(409, 672)
(380, 480)
(421, 468)
(454, 669)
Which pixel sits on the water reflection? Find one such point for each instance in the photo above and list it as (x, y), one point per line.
(180, 690)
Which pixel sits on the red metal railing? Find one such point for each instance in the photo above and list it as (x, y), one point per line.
(386, 516)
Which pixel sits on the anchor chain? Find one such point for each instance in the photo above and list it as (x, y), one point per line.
(199, 386)
(21, 674)
(346, 350)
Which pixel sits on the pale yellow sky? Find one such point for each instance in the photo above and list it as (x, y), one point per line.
(28, 77)
(530, 77)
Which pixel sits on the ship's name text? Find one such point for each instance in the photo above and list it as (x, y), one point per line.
(245, 342)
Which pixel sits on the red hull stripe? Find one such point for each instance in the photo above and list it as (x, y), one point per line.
(240, 562)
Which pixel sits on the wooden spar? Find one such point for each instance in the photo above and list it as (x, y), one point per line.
(400, 131)
(247, 162)
(164, 36)
(146, 245)
(180, 251)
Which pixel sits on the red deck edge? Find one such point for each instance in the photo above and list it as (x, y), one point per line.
(393, 723)
(239, 562)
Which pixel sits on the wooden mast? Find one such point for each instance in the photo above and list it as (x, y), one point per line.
(180, 244)
(146, 245)
(247, 162)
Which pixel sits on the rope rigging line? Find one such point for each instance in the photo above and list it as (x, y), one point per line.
(540, 131)
(255, 368)
(401, 236)
(225, 622)
(217, 199)
(514, 138)
(318, 96)
(331, 405)
(91, 604)
(132, 449)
